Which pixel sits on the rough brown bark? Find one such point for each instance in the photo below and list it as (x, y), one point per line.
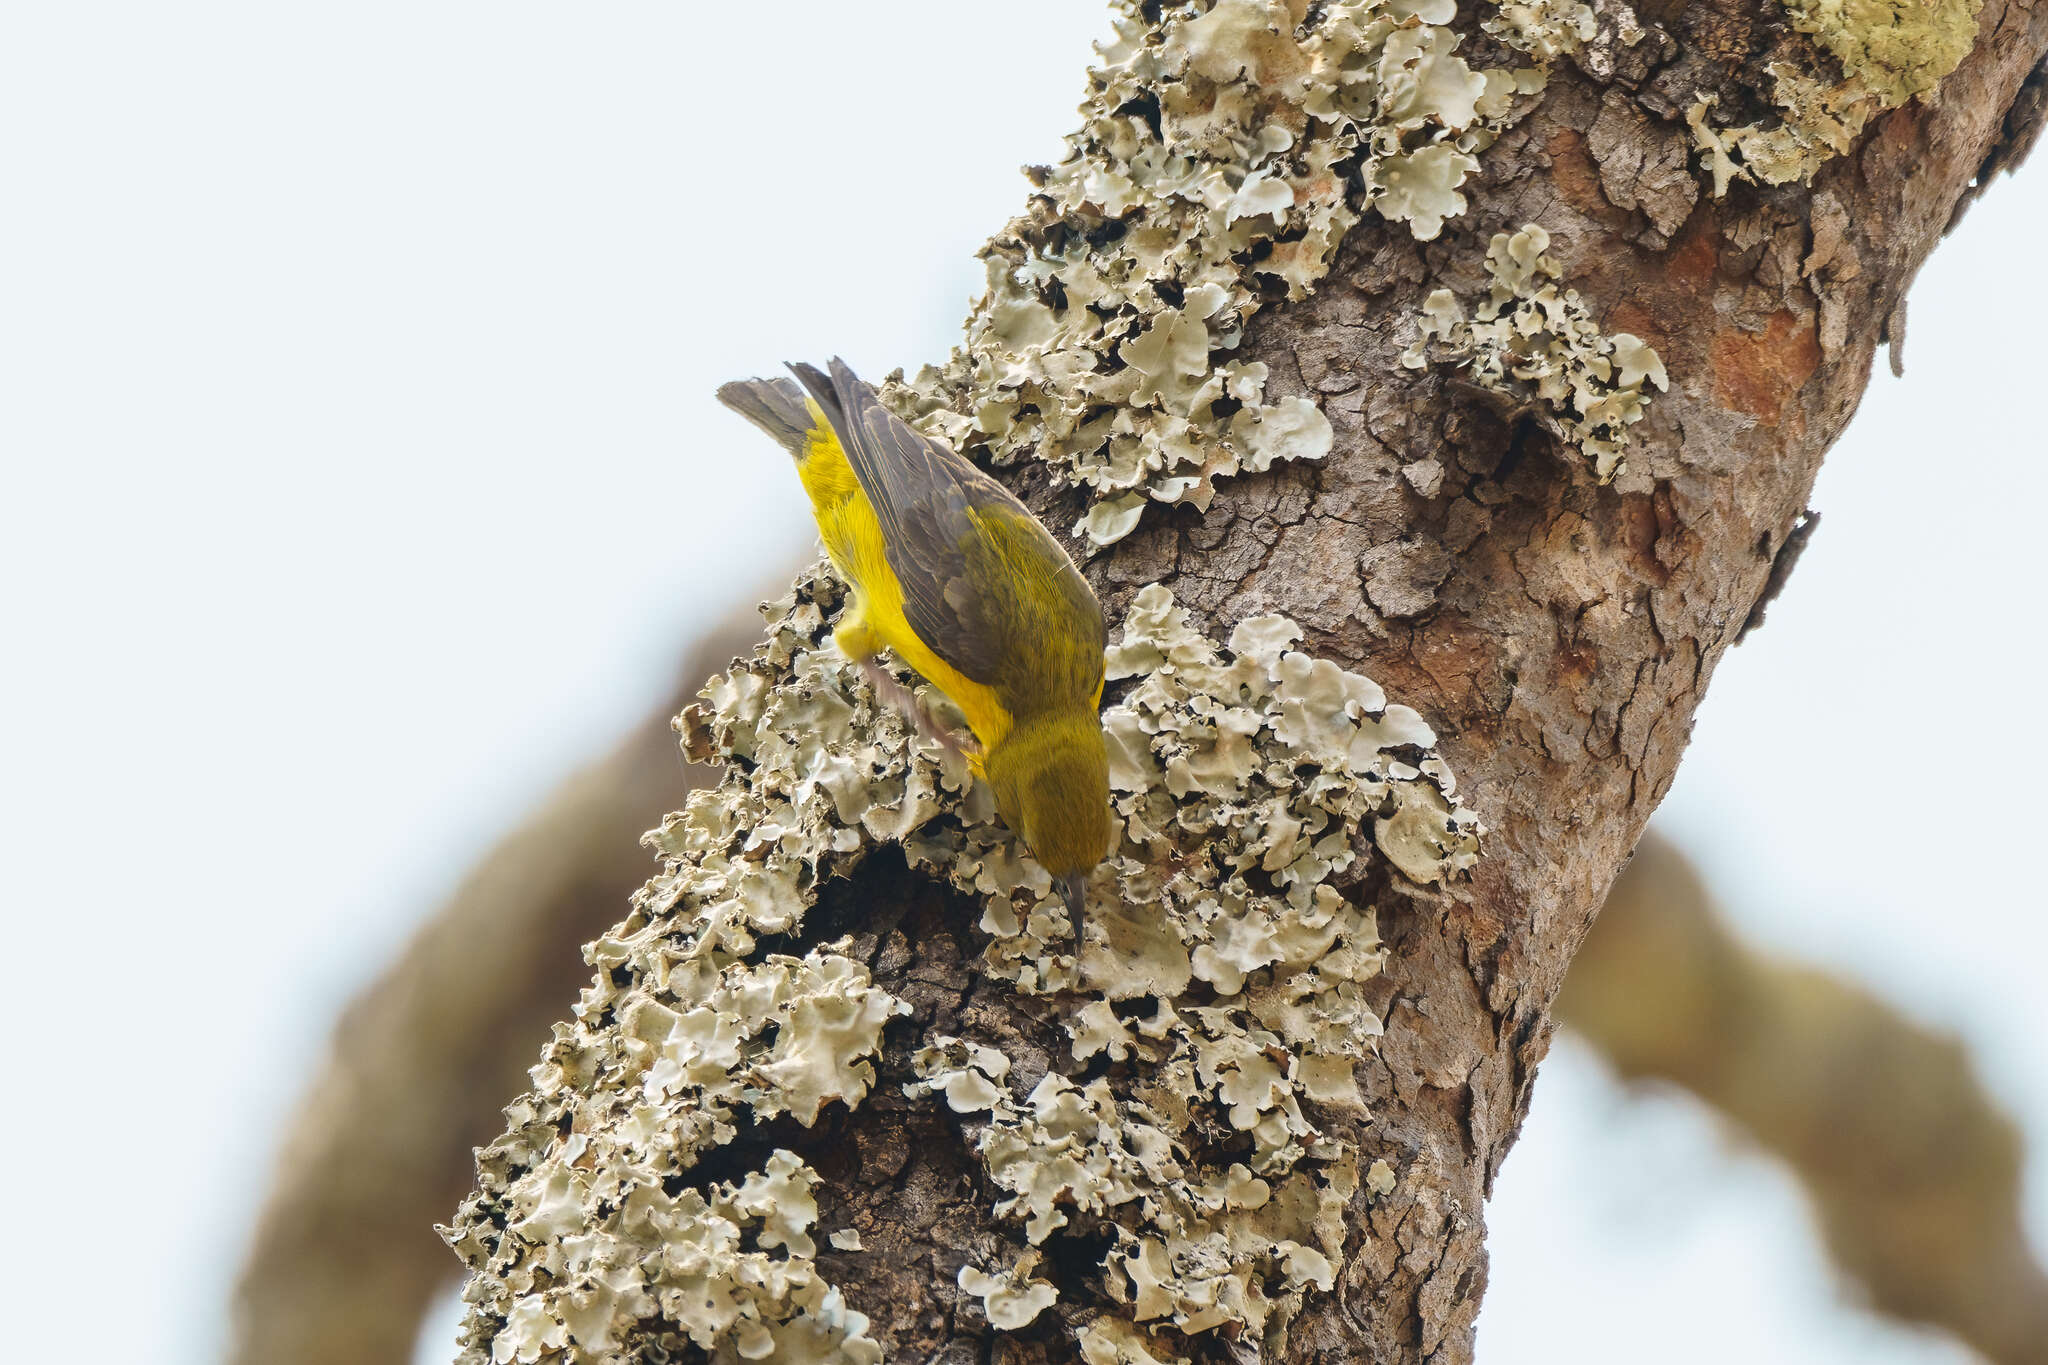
(1560, 634)
(1913, 1172)
(1557, 632)
(344, 1260)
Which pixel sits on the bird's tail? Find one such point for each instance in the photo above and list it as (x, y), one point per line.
(777, 406)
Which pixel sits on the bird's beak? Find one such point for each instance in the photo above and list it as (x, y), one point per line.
(1074, 891)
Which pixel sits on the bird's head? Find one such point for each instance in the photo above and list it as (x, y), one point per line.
(1050, 776)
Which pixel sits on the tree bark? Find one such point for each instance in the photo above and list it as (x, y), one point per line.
(1557, 632)
(344, 1266)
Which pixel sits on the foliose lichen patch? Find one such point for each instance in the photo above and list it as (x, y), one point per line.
(1818, 121)
(1010, 1298)
(584, 1222)
(1530, 341)
(1219, 978)
(1884, 53)
(1225, 150)
(1895, 49)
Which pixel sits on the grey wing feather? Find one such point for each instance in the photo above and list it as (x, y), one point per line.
(957, 596)
(774, 405)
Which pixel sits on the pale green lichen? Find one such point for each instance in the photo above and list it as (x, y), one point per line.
(1010, 1298)
(1531, 342)
(1226, 150)
(1818, 122)
(690, 1029)
(1544, 29)
(1252, 782)
(1252, 785)
(1887, 52)
(1195, 1245)
(1225, 864)
(731, 1267)
(1116, 1341)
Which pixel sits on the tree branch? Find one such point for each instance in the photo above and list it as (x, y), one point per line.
(344, 1259)
(1548, 579)
(1914, 1173)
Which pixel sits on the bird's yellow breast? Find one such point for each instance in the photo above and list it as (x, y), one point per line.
(853, 538)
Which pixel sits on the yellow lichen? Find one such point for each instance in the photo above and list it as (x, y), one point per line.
(1895, 49)
(1887, 52)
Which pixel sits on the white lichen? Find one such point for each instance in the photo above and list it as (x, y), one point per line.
(1226, 149)
(1531, 342)
(1228, 941)
(1884, 53)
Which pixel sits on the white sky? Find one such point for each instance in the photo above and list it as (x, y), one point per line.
(363, 477)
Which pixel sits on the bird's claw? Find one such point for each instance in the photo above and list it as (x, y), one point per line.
(907, 702)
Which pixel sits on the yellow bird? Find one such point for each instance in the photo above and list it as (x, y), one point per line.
(954, 574)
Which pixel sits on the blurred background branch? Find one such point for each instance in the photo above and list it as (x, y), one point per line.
(345, 1260)
(1912, 1172)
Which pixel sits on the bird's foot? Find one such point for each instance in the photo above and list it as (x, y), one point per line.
(905, 701)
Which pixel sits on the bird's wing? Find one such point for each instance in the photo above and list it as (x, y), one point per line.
(981, 578)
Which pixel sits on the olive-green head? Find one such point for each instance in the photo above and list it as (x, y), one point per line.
(1051, 780)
